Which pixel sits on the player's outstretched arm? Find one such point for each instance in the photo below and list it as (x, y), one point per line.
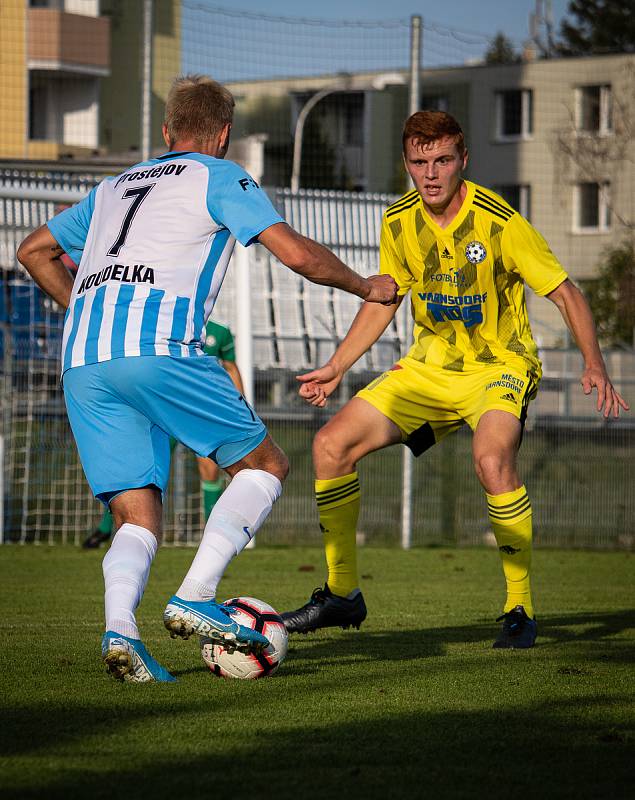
(369, 324)
(40, 255)
(576, 313)
(319, 265)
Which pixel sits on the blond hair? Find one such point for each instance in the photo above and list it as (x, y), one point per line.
(197, 108)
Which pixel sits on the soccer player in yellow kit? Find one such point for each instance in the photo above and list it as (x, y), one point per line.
(464, 255)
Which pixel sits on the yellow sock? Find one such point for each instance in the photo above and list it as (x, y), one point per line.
(510, 516)
(338, 506)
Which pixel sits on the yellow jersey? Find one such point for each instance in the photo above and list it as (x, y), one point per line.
(467, 280)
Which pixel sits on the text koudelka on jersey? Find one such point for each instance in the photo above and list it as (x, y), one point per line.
(136, 273)
(154, 172)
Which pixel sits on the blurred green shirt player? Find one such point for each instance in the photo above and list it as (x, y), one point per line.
(219, 342)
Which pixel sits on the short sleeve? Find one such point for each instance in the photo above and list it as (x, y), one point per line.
(235, 200)
(525, 251)
(227, 349)
(392, 259)
(70, 227)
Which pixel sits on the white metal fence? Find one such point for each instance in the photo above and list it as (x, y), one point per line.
(578, 469)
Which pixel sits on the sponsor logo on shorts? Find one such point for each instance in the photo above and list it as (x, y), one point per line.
(377, 381)
(507, 381)
(509, 396)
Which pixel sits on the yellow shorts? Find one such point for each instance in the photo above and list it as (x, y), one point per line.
(427, 402)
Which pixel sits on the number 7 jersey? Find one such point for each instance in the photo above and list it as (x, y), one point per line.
(153, 245)
(467, 280)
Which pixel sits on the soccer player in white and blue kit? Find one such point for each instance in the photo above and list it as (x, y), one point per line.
(153, 245)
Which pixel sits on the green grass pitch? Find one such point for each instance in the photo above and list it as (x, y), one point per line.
(415, 704)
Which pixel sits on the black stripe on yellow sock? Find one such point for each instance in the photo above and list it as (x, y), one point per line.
(327, 494)
(494, 514)
(508, 506)
(350, 493)
(509, 517)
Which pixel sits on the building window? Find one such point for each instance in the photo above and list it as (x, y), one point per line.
(38, 112)
(594, 109)
(353, 118)
(591, 207)
(434, 102)
(514, 114)
(518, 196)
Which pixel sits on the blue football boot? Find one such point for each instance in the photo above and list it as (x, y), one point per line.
(127, 660)
(518, 631)
(208, 618)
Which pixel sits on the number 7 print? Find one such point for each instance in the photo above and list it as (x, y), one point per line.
(139, 193)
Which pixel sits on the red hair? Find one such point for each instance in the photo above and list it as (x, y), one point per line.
(425, 127)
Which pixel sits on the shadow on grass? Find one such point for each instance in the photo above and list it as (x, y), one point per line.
(401, 645)
(156, 742)
(549, 751)
(595, 626)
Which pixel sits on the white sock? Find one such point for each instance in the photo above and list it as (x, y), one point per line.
(242, 508)
(126, 567)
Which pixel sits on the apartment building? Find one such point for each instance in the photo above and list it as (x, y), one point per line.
(70, 76)
(554, 137)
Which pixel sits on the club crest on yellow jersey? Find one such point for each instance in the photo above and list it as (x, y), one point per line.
(475, 252)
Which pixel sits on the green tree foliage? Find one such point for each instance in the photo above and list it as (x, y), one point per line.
(599, 26)
(501, 51)
(612, 296)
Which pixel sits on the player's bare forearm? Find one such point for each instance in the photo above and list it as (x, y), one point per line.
(370, 322)
(40, 255)
(319, 265)
(577, 315)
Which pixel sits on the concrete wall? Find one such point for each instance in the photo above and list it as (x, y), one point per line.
(60, 51)
(551, 160)
(554, 158)
(13, 79)
(70, 39)
(120, 96)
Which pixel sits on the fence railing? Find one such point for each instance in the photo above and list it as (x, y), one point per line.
(578, 469)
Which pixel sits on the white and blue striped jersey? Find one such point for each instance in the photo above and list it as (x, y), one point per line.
(153, 245)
